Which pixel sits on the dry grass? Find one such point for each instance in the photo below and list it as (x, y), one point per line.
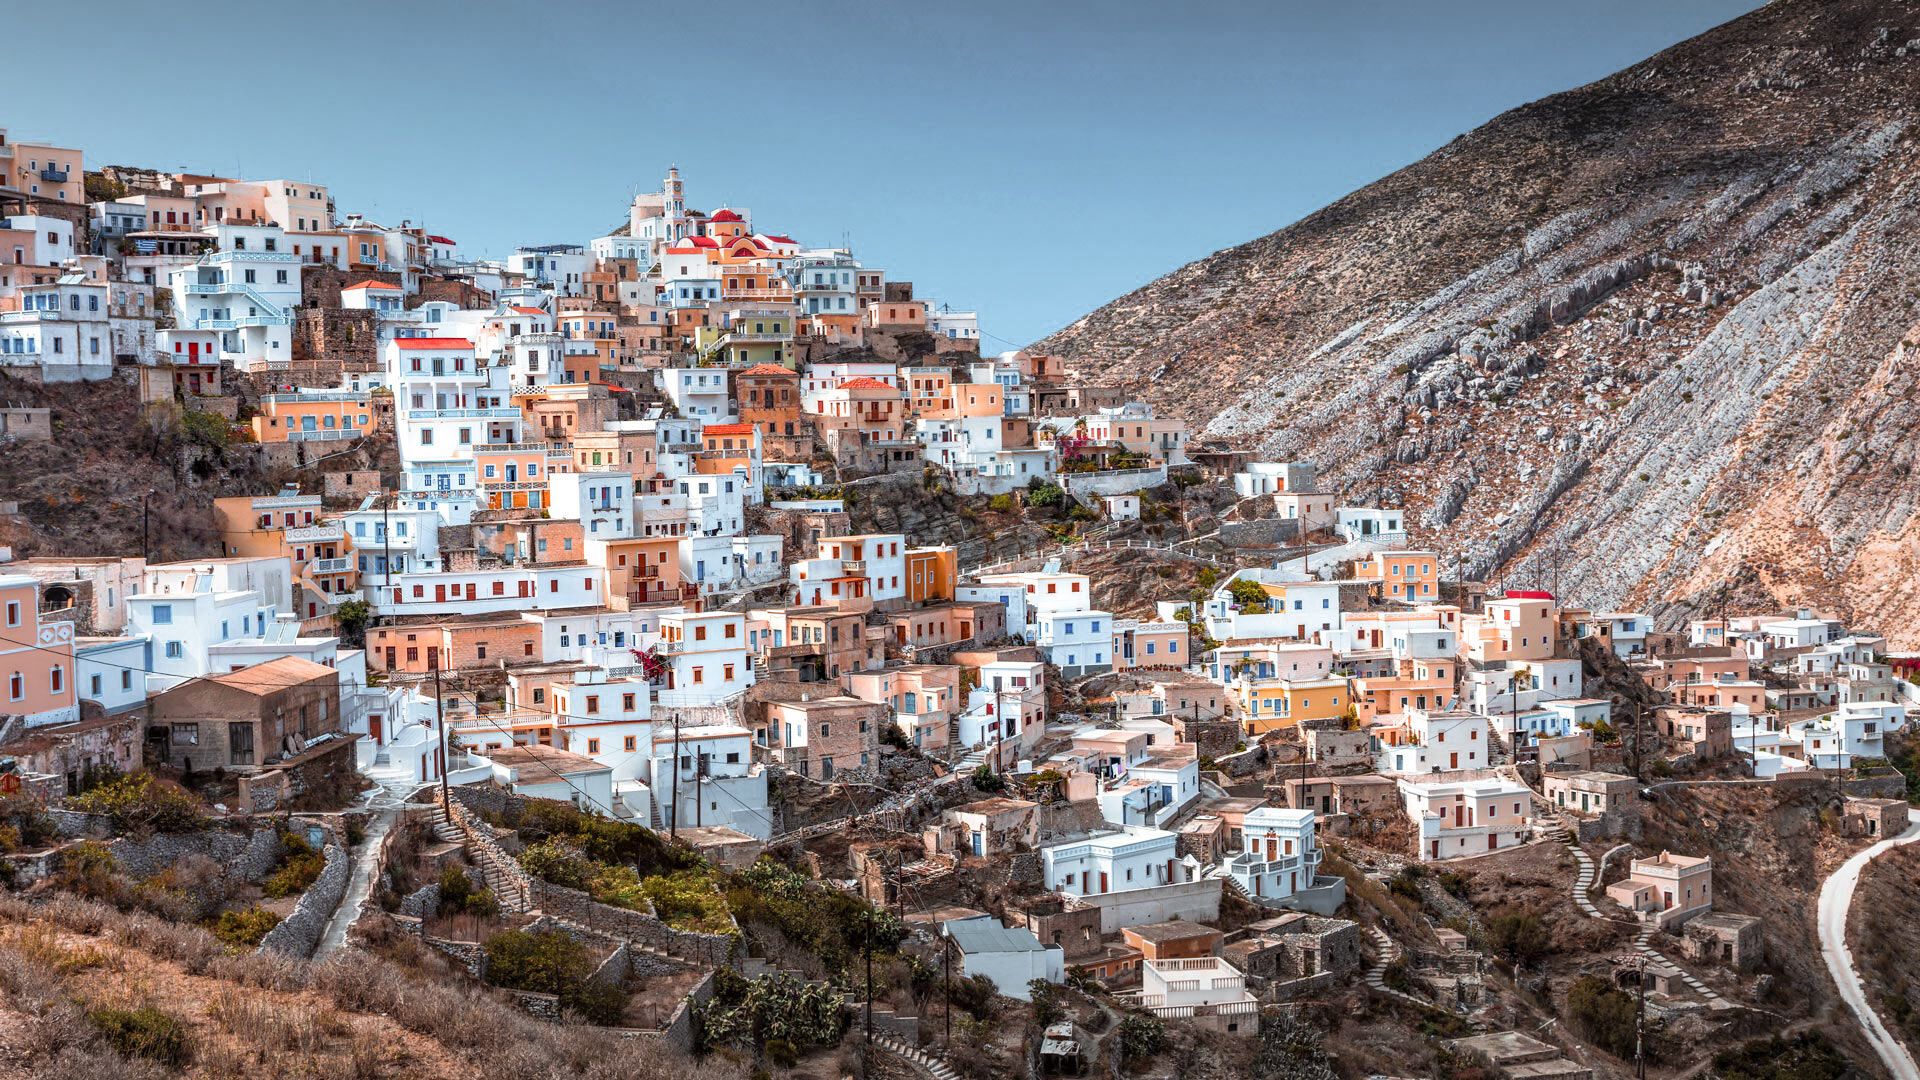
(355, 1014)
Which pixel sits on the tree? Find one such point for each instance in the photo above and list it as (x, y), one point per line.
(351, 618)
(985, 779)
(1603, 1015)
(1518, 937)
(1247, 595)
(1289, 1050)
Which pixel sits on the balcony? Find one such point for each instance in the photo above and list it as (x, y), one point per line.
(463, 414)
(856, 567)
(316, 534)
(54, 176)
(324, 435)
(330, 566)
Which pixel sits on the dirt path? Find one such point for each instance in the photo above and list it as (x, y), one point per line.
(1836, 896)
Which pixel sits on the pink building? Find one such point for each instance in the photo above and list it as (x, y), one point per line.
(36, 657)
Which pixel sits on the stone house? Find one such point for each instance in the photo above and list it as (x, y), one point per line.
(820, 737)
(985, 828)
(245, 720)
(1724, 938)
(1588, 792)
(1875, 818)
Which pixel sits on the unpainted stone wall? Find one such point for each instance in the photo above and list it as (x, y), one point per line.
(249, 855)
(299, 932)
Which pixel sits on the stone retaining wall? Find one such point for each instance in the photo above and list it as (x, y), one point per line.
(252, 856)
(421, 902)
(299, 932)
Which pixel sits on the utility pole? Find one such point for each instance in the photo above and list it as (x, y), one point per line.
(869, 937)
(386, 537)
(440, 721)
(946, 979)
(144, 555)
(673, 822)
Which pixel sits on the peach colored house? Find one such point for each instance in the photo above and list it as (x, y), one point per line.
(1666, 889)
(513, 475)
(36, 657)
(896, 314)
(928, 389)
(38, 171)
(1513, 628)
(1149, 645)
(1722, 694)
(645, 570)
(874, 409)
(1419, 684)
(324, 571)
(1412, 576)
(1675, 673)
(323, 416)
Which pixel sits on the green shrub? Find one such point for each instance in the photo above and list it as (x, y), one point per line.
(550, 962)
(688, 901)
(88, 869)
(459, 897)
(557, 862)
(777, 1012)
(1518, 937)
(830, 924)
(1602, 1014)
(300, 866)
(145, 1032)
(1001, 503)
(985, 779)
(1807, 1056)
(244, 929)
(142, 802)
(1141, 1036)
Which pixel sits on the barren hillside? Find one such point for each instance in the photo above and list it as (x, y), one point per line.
(1645, 341)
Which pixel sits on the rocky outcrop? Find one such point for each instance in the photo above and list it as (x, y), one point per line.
(1651, 342)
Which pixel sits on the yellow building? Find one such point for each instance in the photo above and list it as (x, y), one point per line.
(1278, 704)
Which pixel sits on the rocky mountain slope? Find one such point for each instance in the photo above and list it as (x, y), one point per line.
(1652, 342)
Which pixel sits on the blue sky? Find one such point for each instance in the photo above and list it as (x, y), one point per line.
(1032, 159)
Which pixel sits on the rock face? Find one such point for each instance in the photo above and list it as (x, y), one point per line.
(1652, 342)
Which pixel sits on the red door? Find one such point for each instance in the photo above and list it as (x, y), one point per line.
(440, 594)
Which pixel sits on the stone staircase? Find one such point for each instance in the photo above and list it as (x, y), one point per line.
(927, 1062)
(1377, 974)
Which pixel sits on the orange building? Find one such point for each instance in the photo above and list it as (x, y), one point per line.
(1412, 576)
(287, 525)
(645, 570)
(769, 397)
(932, 573)
(36, 657)
(454, 645)
(321, 416)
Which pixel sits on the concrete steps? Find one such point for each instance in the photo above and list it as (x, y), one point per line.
(927, 1062)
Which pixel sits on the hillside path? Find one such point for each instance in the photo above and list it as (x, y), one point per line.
(1836, 896)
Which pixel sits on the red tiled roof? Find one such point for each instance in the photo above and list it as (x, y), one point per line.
(370, 285)
(724, 215)
(1529, 594)
(727, 429)
(784, 240)
(441, 240)
(433, 343)
(527, 310)
(864, 383)
(703, 241)
(765, 369)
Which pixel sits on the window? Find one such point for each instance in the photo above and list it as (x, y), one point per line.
(593, 746)
(13, 613)
(629, 744)
(16, 686)
(184, 734)
(175, 650)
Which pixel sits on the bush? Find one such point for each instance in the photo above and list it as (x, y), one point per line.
(777, 1012)
(1808, 1056)
(459, 897)
(244, 929)
(1045, 999)
(557, 862)
(550, 962)
(829, 924)
(1001, 503)
(1518, 937)
(142, 802)
(1141, 1037)
(300, 865)
(144, 1032)
(88, 869)
(985, 779)
(1042, 493)
(974, 995)
(687, 900)
(1602, 1014)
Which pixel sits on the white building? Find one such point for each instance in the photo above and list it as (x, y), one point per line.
(1131, 857)
(1204, 989)
(1468, 817)
(1011, 956)
(1278, 856)
(710, 779)
(246, 291)
(1077, 642)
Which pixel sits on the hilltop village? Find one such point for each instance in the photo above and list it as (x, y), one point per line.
(697, 634)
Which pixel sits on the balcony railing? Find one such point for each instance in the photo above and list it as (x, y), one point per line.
(463, 414)
(54, 176)
(312, 533)
(325, 435)
(330, 566)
